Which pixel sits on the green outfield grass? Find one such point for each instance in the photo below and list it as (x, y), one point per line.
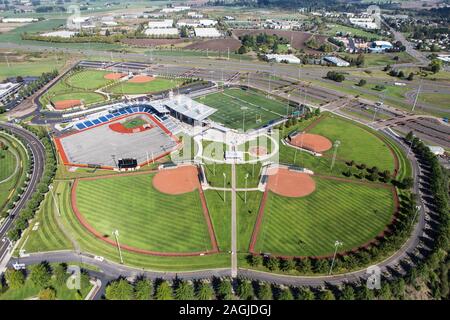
(144, 217)
(62, 90)
(335, 211)
(159, 84)
(259, 110)
(357, 143)
(90, 244)
(133, 123)
(88, 79)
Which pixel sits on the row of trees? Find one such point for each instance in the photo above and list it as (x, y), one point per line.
(335, 76)
(46, 278)
(244, 289)
(34, 86)
(42, 187)
(261, 43)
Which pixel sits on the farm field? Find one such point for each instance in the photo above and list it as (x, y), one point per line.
(333, 29)
(159, 84)
(357, 144)
(337, 210)
(259, 110)
(145, 218)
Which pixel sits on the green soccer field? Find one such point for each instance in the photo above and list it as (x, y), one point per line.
(335, 211)
(236, 107)
(357, 143)
(159, 84)
(145, 218)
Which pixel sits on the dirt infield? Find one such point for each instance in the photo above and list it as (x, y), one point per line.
(114, 76)
(290, 183)
(176, 181)
(313, 142)
(141, 79)
(66, 104)
(257, 151)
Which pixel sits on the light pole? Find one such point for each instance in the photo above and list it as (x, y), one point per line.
(245, 191)
(243, 118)
(50, 187)
(336, 245)
(336, 145)
(224, 183)
(116, 235)
(415, 215)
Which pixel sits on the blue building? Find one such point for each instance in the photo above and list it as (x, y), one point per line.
(380, 46)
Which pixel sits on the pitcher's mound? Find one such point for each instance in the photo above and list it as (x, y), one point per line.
(176, 181)
(141, 79)
(290, 183)
(114, 76)
(313, 142)
(66, 104)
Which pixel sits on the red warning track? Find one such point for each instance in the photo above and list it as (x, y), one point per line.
(66, 104)
(99, 235)
(313, 142)
(120, 128)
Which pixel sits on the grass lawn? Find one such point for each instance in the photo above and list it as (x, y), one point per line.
(30, 291)
(220, 212)
(246, 217)
(437, 99)
(88, 79)
(135, 122)
(7, 168)
(335, 28)
(159, 84)
(382, 59)
(86, 97)
(8, 163)
(335, 211)
(144, 217)
(259, 110)
(357, 144)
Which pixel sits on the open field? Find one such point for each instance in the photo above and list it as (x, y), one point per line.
(145, 218)
(382, 59)
(8, 163)
(356, 143)
(258, 109)
(159, 84)
(337, 210)
(333, 29)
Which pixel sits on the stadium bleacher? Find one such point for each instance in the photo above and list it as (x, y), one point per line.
(127, 110)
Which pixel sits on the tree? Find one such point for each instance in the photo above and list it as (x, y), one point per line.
(225, 291)
(347, 293)
(285, 294)
(119, 290)
(245, 290)
(407, 183)
(204, 291)
(435, 65)
(326, 295)
(385, 292)
(305, 293)
(287, 265)
(40, 275)
(143, 289)
(265, 291)
(272, 263)
(362, 83)
(184, 291)
(14, 278)
(163, 291)
(409, 136)
(60, 274)
(255, 260)
(410, 76)
(47, 294)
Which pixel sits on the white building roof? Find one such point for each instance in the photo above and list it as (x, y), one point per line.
(5, 88)
(337, 61)
(61, 34)
(207, 32)
(208, 22)
(166, 23)
(290, 58)
(380, 43)
(18, 20)
(436, 150)
(189, 108)
(80, 19)
(161, 32)
(445, 58)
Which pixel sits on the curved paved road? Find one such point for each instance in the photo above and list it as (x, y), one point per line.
(38, 154)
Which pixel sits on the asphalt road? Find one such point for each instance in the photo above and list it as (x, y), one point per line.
(38, 154)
